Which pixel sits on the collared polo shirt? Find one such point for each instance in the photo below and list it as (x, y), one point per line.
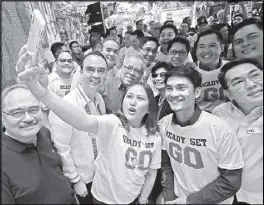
(33, 174)
(112, 92)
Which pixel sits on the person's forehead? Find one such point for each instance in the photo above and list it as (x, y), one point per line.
(135, 62)
(19, 98)
(240, 70)
(184, 24)
(110, 44)
(94, 61)
(137, 90)
(64, 55)
(75, 44)
(151, 44)
(176, 80)
(178, 46)
(209, 38)
(161, 70)
(167, 30)
(245, 30)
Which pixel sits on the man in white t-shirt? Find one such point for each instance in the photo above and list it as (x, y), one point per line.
(60, 80)
(243, 79)
(205, 159)
(209, 47)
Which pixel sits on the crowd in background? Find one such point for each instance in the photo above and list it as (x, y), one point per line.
(151, 115)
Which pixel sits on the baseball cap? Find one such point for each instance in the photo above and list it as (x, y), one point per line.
(201, 20)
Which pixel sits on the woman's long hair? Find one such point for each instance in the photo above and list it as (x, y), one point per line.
(150, 119)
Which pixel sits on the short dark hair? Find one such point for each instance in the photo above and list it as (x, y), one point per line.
(168, 21)
(138, 33)
(108, 31)
(187, 71)
(247, 22)
(181, 40)
(161, 64)
(139, 21)
(208, 32)
(228, 66)
(150, 38)
(94, 53)
(128, 32)
(55, 47)
(186, 23)
(169, 26)
(72, 42)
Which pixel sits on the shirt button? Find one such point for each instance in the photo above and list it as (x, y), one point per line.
(53, 151)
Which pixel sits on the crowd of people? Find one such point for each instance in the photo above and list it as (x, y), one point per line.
(156, 115)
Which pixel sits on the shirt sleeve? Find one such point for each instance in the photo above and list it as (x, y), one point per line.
(7, 197)
(156, 159)
(61, 135)
(229, 150)
(224, 187)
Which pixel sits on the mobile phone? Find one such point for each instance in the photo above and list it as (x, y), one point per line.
(37, 28)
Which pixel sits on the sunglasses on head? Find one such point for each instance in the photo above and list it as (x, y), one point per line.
(155, 75)
(64, 60)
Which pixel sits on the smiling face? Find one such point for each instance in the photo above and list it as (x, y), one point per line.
(245, 84)
(180, 93)
(150, 50)
(65, 63)
(110, 51)
(209, 50)
(248, 42)
(94, 71)
(159, 77)
(22, 128)
(178, 54)
(135, 104)
(165, 36)
(132, 70)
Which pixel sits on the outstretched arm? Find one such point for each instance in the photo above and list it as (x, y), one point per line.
(35, 77)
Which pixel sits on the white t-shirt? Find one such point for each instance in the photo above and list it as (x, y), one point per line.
(196, 152)
(212, 93)
(123, 160)
(250, 135)
(60, 86)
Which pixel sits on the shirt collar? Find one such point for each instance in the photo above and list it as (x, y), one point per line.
(193, 119)
(85, 98)
(220, 63)
(15, 145)
(254, 112)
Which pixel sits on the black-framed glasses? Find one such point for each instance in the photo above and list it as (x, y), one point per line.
(137, 72)
(18, 114)
(241, 83)
(64, 60)
(155, 75)
(180, 53)
(148, 50)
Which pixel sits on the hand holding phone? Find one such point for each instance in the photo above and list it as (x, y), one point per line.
(37, 28)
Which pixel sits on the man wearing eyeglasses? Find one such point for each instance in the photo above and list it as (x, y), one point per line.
(60, 80)
(31, 167)
(114, 88)
(243, 79)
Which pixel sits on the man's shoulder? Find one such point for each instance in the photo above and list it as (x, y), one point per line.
(222, 109)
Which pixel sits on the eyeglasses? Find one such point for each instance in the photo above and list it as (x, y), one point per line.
(148, 50)
(91, 70)
(134, 70)
(155, 75)
(241, 83)
(18, 114)
(180, 53)
(64, 60)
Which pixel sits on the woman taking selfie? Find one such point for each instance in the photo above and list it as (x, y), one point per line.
(128, 142)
